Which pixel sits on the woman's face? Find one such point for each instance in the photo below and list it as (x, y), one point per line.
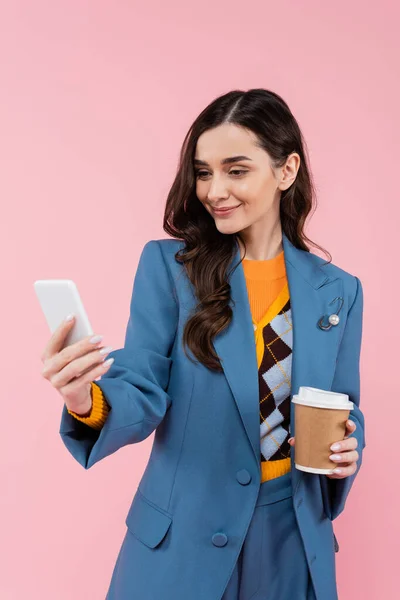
(231, 171)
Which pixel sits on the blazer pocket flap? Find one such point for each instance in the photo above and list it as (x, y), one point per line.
(147, 522)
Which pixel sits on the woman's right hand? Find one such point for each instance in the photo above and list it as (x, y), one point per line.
(72, 369)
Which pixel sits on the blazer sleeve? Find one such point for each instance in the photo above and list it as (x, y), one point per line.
(135, 385)
(347, 380)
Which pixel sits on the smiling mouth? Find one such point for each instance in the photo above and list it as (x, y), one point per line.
(224, 210)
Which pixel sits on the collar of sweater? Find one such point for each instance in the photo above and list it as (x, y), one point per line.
(265, 270)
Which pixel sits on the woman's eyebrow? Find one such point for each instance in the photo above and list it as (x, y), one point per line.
(224, 161)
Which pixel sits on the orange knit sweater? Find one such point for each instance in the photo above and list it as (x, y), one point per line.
(266, 282)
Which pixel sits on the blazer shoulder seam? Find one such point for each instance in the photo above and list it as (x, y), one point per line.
(173, 287)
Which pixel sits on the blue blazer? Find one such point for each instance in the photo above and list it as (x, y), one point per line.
(203, 474)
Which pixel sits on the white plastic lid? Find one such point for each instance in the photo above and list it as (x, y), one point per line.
(310, 396)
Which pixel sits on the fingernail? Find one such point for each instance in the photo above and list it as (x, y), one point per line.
(338, 470)
(335, 457)
(69, 318)
(106, 350)
(335, 447)
(96, 338)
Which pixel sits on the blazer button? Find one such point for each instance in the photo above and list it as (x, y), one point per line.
(243, 476)
(219, 539)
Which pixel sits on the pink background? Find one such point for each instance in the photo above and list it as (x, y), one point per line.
(95, 100)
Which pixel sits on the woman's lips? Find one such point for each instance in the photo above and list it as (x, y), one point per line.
(224, 212)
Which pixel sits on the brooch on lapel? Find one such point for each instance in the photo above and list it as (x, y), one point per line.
(333, 319)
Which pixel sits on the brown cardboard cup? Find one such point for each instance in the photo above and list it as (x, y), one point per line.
(320, 421)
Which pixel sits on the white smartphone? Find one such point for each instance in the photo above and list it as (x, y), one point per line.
(58, 298)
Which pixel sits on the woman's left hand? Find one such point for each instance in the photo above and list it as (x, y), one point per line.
(348, 457)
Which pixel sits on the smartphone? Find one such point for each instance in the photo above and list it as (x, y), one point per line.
(58, 298)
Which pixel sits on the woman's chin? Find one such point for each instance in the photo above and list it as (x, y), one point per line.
(227, 228)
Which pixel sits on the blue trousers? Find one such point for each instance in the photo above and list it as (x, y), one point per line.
(272, 564)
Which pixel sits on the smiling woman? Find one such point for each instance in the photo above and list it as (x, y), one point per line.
(222, 331)
(245, 152)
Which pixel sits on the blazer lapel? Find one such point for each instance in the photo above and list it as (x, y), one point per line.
(314, 350)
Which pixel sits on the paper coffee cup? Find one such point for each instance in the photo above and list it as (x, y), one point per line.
(320, 421)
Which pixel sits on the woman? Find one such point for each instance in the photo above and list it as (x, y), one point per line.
(223, 329)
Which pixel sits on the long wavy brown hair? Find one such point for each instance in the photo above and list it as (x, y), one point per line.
(207, 253)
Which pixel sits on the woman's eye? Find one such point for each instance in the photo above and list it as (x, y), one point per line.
(237, 171)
